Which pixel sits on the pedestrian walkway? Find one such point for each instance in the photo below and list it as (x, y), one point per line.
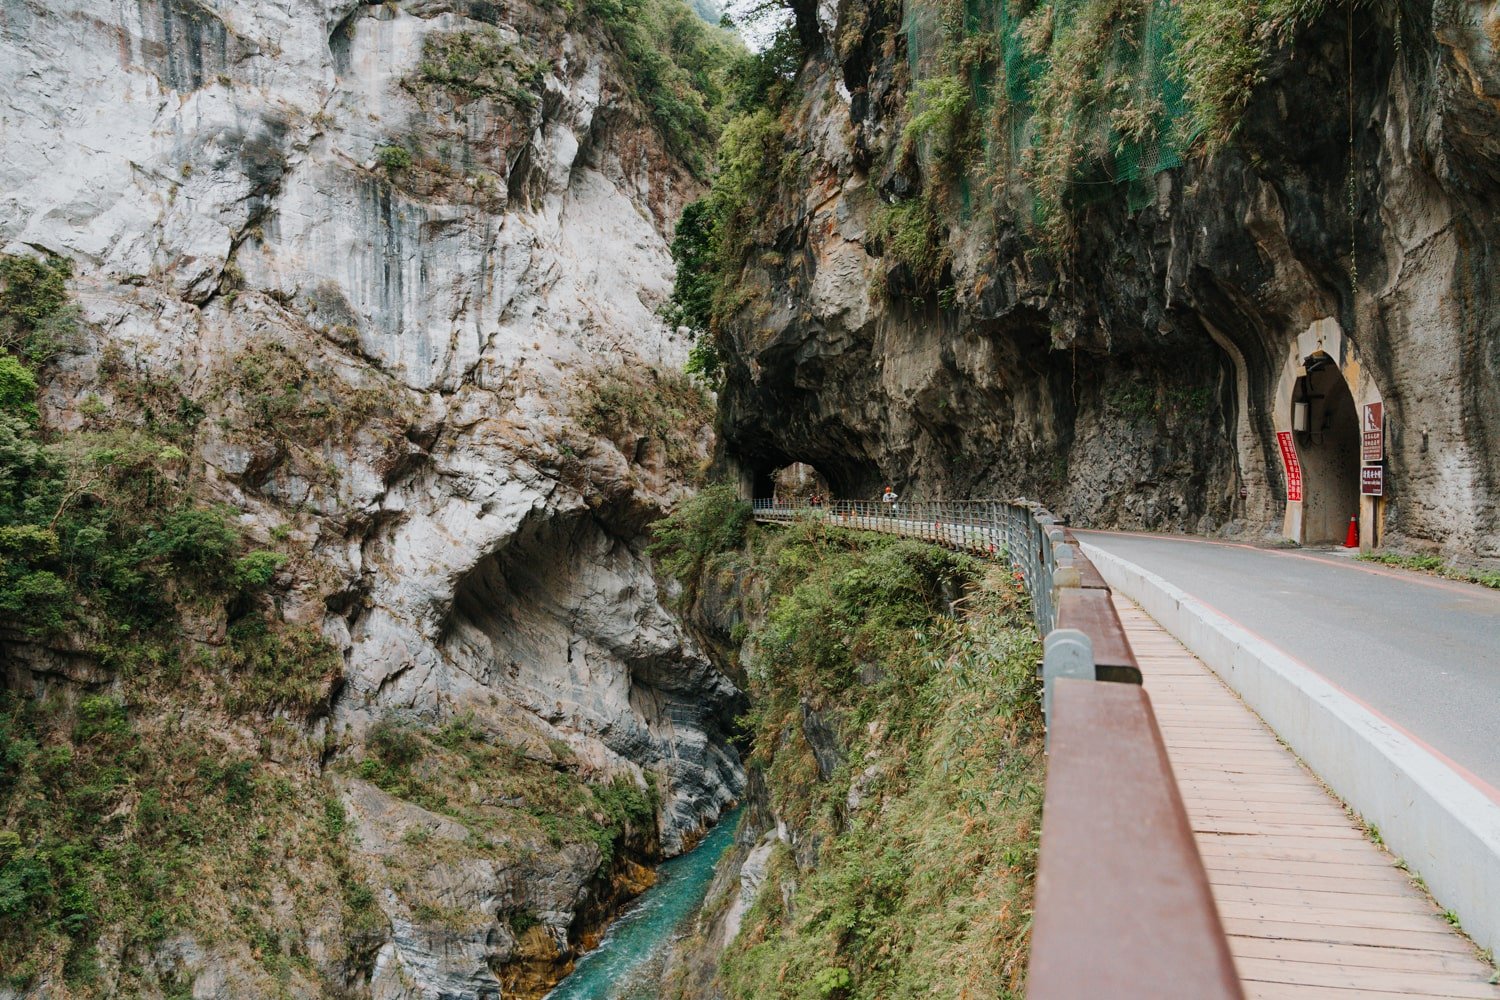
(1311, 906)
(1418, 650)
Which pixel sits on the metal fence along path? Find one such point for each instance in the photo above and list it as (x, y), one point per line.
(1023, 533)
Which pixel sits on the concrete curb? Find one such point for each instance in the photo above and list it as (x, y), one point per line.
(1447, 831)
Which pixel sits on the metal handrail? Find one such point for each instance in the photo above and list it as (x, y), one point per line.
(1123, 906)
(1019, 531)
(1113, 814)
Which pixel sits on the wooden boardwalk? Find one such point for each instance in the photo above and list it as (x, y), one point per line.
(1312, 907)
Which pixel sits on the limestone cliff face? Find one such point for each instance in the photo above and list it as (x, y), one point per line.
(1141, 378)
(305, 196)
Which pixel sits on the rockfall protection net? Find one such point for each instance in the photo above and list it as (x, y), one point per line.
(1121, 105)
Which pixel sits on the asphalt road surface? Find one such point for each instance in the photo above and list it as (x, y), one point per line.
(1423, 652)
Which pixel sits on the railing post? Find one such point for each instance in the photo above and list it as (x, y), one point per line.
(1066, 652)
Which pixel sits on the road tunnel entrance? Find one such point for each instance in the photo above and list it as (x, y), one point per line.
(1326, 424)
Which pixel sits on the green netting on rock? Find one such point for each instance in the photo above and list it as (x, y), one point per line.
(1138, 158)
(1084, 93)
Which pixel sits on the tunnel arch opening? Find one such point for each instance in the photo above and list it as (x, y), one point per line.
(1332, 429)
(1325, 421)
(763, 473)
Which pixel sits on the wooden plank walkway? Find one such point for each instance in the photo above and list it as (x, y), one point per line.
(1312, 907)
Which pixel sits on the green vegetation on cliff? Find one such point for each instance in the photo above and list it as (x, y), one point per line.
(666, 409)
(1046, 106)
(106, 542)
(480, 64)
(716, 232)
(1028, 110)
(706, 526)
(1223, 46)
(166, 792)
(502, 795)
(36, 318)
(119, 834)
(680, 67)
(123, 816)
(896, 731)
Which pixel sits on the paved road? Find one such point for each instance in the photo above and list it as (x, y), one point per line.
(1423, 652)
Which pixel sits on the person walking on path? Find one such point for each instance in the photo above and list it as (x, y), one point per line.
(889, 498)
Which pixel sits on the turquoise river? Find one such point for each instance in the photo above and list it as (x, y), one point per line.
(627, 965)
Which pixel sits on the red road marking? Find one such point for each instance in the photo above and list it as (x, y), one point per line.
(1480, 785)
(1409, 576)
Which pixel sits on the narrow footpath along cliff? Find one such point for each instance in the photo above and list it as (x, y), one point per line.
(333, 405)
(1152, 261)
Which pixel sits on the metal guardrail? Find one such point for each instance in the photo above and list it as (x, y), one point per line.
(1023, 533)
(1123, 908)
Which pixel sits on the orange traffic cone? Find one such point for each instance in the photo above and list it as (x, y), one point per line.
(1351, 540)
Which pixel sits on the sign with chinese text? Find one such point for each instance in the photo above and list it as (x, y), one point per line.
(1293, 467)
(1373, 433)
(1372, 480)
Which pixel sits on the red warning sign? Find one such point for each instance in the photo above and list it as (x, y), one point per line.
(1372, 480)
(1293, 467)
(1372, 434)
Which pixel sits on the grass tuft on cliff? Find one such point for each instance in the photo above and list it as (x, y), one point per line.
(1031, 111)
(680, 67)
(648, 410)
(481, 63)
(896, 728)
(715, 234)
(1223, 47)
